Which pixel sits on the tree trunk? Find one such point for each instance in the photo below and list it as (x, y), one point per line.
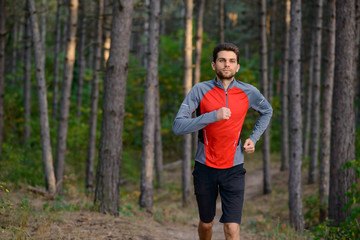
(56, 60)
(65, 95)
(356, 68)
(142, 46)
(27, 74)
(14, 44)
(273, 5)
(309, 98)
(295, 191)
(43, 26)
(326, 113)
(198, 50)
(285, 95)
(264, 87)
(2, 68)
(222, 20)
(90, 160)
(158, 141)
(107, 32)
(42, 101)
(81, 56)
(110, 152)
(315, 108)
(65, 26)
(186, 167)
(343, 119)
(147, 168)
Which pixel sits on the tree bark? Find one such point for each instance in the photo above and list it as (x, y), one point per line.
(356, 68)
(110, 152)
(264, 87)
(65, 95)
(147, 168)
(307, 130)
(90, 160)
(107, 32)
(14, 44)
(295, 191)
(186, 167)
(81, 56)
(315, 108)
(328, 84)
(158, 141)
(27, 74)
(343, 119)
(284, 94)
(198, 51)
(222, 20)
(43, 25)
(273, 6)
(56, 60)
(42, 101)
(2, 69)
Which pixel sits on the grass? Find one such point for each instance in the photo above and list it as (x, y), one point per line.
(27, 216)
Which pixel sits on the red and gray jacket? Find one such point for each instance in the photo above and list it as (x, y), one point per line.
(219, 141)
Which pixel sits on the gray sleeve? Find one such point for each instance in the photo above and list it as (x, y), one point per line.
(261, 105)
(183, 123)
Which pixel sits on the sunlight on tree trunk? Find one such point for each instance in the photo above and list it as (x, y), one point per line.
(65, 95)
(186, 167)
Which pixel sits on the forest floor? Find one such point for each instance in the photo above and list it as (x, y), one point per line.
(73, 216)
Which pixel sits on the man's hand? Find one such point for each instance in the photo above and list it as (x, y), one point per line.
(249, 146)
(223, 113)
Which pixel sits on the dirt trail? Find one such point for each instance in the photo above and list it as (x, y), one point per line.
(93, 225)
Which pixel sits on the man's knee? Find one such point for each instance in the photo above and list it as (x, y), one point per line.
(232, 229)
(206, 226)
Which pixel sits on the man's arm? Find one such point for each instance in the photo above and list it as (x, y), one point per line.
(261, 105)
(183, 123)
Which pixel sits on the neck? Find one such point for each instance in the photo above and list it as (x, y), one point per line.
(226, 82)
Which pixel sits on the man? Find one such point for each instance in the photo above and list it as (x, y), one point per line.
(221, 106)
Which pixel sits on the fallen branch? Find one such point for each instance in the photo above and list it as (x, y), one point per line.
(169, 165)
(41, 192)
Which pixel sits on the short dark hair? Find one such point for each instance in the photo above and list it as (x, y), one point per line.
(226, 47)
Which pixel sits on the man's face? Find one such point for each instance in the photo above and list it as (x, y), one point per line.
(226, 65)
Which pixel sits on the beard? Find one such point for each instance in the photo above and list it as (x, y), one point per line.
(230, 75)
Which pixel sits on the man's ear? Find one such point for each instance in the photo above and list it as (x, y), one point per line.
(213, 65)
(238, 68)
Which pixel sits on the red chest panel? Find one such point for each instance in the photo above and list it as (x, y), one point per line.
(221, 138)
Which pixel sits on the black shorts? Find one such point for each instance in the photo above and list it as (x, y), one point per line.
(230, 182)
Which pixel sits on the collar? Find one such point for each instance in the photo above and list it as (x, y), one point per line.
(220, 84)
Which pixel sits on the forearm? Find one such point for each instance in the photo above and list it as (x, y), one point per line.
(184, 124)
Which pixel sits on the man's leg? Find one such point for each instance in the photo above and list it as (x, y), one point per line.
(205, 230)
(232, 231)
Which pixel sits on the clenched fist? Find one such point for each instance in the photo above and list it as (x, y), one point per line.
(223, 113)
(249, 146)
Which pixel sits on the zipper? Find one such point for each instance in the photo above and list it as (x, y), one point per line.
(237, 139)
(206, 140)
(226, 98)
